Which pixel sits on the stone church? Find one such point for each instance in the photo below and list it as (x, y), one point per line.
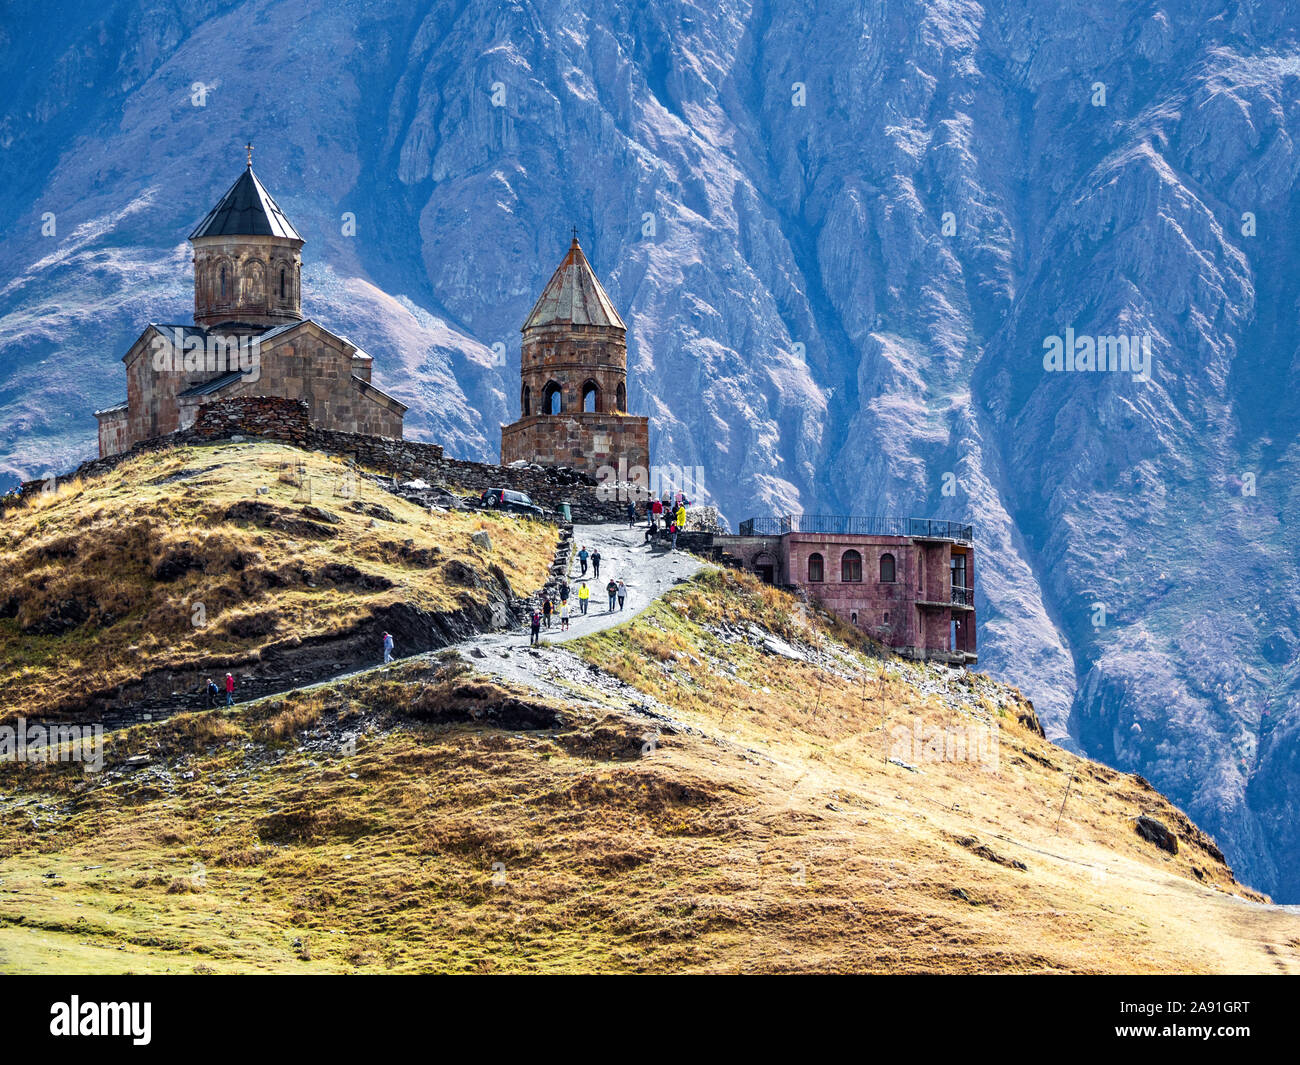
(573, 364)
(248, 338)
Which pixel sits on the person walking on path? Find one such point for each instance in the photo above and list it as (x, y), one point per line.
(611, 589)
(230, 689)
(388, 648)
(564, 616)
(631, 514)
(583, 555)
(536, 626)
(622, 594)
(595, 563)
(213, 692)
(564, 590)
(673, 530)
(548, 608)
(656, 509)
(584, 593)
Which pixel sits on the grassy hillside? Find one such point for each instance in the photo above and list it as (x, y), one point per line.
(176, 561)
(723, 799)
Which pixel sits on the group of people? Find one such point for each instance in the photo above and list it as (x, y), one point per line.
(669, 512)
(214, 692)
(545, 615)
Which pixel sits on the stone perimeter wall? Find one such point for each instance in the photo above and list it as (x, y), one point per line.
(286, 421)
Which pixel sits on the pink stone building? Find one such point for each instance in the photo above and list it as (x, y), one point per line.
(910, 583)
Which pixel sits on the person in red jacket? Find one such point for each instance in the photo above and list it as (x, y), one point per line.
(230, 689)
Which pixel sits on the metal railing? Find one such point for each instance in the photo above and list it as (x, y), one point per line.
(852, 525)
(963, 596)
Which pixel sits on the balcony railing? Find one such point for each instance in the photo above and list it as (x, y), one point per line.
(851, 525)
(932, 529)
(963, 596)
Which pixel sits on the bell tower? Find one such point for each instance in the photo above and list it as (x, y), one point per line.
(573, 371)
(247, 261)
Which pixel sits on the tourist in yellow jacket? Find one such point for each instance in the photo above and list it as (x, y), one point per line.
(584, 593)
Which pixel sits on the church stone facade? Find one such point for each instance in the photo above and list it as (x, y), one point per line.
(248, 337)
(573, 394)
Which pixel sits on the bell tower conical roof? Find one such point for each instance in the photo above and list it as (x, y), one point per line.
(574, 296)
(246, 210)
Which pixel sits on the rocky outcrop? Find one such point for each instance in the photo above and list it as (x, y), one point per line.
(1154, 831)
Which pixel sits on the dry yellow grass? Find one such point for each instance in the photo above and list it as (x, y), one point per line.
(766, 831)
(148, 570)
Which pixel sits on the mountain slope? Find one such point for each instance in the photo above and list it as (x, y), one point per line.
(735, 794)
(128, 590)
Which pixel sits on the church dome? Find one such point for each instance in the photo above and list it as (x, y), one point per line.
(247, 266)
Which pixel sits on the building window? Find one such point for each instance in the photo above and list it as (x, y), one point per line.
(850, 566)
(526, 401)
(816, 570)
(282, 287)
(620, 397)
(591, 397)
(551, 401)
(887, 568)
(224, 297)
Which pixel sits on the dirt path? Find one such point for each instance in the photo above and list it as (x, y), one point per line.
(647, 571)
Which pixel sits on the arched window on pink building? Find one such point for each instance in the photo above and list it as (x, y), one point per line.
(850, 566)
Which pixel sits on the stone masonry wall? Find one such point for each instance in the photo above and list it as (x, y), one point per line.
(582, 440)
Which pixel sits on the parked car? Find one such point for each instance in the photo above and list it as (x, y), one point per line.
(514, 502)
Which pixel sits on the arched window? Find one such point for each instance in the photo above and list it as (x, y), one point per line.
(591, 397)
(526, 401)
(850, 566)
(887, 568)
(283, 293)
(620, 397)
(816, 568)
(224, 295)
(551, 399)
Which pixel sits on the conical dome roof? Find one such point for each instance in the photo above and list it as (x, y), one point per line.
(574, 296)
(246, 210)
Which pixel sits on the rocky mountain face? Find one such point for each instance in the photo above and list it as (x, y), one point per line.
(844, 237)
